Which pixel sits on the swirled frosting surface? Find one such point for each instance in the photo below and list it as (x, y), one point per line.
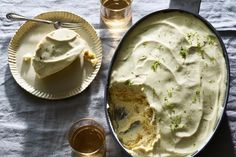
(167, 86)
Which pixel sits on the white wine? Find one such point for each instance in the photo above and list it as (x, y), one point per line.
(87, 139)
(116, 13)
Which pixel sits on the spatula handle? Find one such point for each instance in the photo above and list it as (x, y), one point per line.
(188, 5)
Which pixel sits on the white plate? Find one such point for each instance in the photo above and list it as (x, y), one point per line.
(66, 83)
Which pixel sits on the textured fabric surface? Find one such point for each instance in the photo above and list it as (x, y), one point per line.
(34, 127)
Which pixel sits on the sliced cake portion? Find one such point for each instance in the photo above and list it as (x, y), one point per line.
(58, 50)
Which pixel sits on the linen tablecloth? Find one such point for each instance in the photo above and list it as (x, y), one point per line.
(34, 127)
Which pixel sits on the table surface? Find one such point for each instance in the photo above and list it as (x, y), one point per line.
(31, 126)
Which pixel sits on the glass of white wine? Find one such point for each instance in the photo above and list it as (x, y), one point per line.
(116, 13)
(87, 138)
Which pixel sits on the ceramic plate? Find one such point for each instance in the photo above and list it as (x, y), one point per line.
(66, 83)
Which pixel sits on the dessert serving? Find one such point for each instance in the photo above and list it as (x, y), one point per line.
(167, 86)
(59, 49)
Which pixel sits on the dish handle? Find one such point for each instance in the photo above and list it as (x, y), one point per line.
(188, 5)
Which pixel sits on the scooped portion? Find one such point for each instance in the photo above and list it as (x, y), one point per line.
(135, 121)
(167, 87)
(58, 50)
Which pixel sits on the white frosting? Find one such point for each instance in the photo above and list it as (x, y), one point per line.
(56, 51)
(62, 34)
(167, 86)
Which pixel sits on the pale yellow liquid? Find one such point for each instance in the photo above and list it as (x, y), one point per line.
(116, 13)
(89, 141)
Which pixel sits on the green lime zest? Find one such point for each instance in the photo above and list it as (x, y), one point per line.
(155, 65)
